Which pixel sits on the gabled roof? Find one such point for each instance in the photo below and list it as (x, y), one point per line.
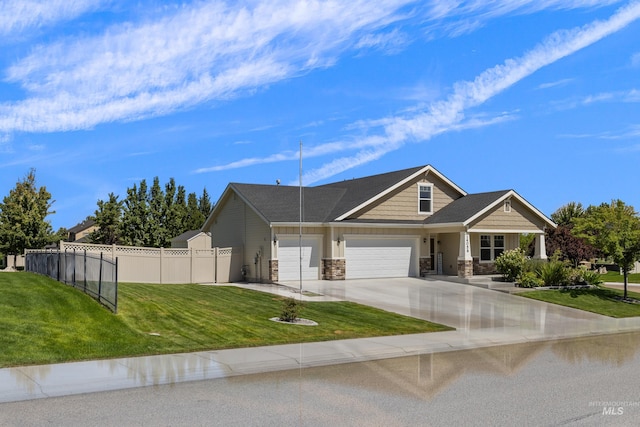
(467, 209)
(337, 201)
(464, 208)
(187, 235)
(82, 226)
(362, 192)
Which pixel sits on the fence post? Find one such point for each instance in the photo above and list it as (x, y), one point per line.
(73, 277)
(100, 279)
(215, 265)
(161, 265)
(116, 284)
(84, 270)
(192, 265)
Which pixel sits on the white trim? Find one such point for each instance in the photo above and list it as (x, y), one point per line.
(430, 186)
(503, 231)
(373, 225)
(424, 171)
(491, 248)
(510, 193)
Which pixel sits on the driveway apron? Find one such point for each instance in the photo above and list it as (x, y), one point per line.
(470, 308)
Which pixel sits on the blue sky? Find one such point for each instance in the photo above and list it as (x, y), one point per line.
(541, 96)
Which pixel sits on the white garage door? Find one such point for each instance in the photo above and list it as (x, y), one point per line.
(289, 258)
(380, 257)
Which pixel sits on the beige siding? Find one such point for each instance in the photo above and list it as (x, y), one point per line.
(237, 225)
(520, 218)
(258, 245)
(402, 204)
(228, 228)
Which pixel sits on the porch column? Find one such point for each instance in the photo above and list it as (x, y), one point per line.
(540, 249)
(465, 260)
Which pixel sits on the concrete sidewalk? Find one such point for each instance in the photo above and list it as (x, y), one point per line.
(482, 318)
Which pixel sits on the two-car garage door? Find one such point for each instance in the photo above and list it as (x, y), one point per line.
(366, 257)
(369, 257)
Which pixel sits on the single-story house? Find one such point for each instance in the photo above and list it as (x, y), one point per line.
(193, 239)
(410, 222)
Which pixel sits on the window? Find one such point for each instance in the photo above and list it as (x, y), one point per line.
(425, 198)
(491, 247)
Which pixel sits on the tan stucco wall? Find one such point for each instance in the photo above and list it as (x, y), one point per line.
(520, 218)
(402, 204)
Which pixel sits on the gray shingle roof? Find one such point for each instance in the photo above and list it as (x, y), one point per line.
(325, 203)
(464, 208)
(280, 203)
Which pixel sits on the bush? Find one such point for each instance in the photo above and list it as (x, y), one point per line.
(591, 278)
(529, 279)
(553, 273)
(511, 263)
(290, 310)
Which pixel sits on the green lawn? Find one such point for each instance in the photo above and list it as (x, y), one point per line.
(600, 300)
(612, 276)
(43, 321)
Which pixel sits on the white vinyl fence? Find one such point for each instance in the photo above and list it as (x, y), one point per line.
(159, 265)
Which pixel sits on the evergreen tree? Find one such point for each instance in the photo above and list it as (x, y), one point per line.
(179, 210)
(205, 205)
(195, 219)
(157, 233)
(108, 218)
(23, 214)
(135, 216)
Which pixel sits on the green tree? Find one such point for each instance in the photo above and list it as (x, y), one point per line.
(565, 215)
(205, 205)
(23, 213)
(157, 234)
(195, 218)
(108, 218)
(614, 229)
(179, 213)
(135, 216)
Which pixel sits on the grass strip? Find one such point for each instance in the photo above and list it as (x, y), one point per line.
(603, 301)
(43, 321)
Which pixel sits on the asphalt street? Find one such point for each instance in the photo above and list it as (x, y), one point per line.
(590, 381)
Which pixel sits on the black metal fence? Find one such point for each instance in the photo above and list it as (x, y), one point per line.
(89, 272)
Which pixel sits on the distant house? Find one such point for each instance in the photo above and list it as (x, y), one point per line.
(409, 222)
(194, 239)
(80, 232)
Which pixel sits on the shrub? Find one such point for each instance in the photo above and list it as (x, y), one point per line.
(592, 278)
(529, 279)
(290, 310)
(553, 273)
(510, 264)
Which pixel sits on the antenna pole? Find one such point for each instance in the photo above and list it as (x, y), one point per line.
(300, 221)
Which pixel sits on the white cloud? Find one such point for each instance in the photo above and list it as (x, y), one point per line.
(391, 42)
(456, 18)
(446, 115)
(203, 52)
(562, 82)
(19, 16)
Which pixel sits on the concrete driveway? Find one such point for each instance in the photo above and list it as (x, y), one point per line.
(469, 308)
